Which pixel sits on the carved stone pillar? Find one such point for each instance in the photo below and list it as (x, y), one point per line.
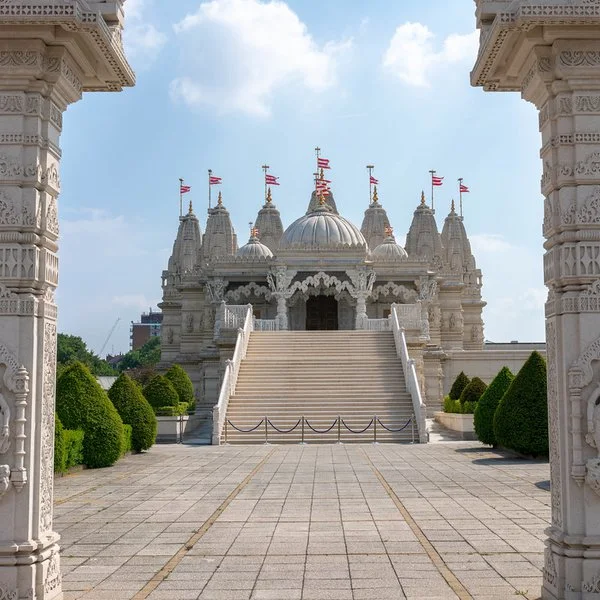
(550, 52)
(279, 280)
(362, 281)
(48, 55)
(282, 311)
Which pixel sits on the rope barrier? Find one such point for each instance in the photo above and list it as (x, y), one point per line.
(246, 430)
(326, 430)
(284, 430)
(360, 430)
(396, 430)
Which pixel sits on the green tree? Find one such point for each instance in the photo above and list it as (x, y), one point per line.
(146, 356)
(182, 383)
(521, 419)
(473, 391)
(487, 405)
(82, 404)
(71, 348)
(160, 393)
(460, 383)
(134, 409)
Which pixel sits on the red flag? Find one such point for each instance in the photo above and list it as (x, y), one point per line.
(322, 185)
(437, 181)
(184, 189)
(464, 189)
(323, 163)
(374, 181)
(271, 179)
(214, 180)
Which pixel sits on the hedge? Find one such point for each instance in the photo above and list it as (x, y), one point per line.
(487, 405)
(126, 440)
(460, 383)
(473, 391)
(521, 419)
(458, 407)
(82, 404)
(172, 411)
(160, 393)
(182, 384)
(68, 447)
(135, 410)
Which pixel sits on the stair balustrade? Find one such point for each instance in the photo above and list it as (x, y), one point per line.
(232, 367)
(377, 324)
(410, 372)
(266, 325)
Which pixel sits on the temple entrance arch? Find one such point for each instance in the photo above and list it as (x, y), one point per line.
(321, 313)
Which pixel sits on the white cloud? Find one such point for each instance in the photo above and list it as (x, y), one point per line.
(488, 242)
(238, 53)
(142, 40)
(137, 301)
(412, 57)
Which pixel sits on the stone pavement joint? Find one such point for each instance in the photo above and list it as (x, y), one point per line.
(189, 545)
(457, 587)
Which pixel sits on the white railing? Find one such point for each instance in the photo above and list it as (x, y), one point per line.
(266, 325)
(410, 375)
(377, 324)
(230, 376)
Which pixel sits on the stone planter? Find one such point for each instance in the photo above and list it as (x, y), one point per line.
(170, 429)
(463, 424)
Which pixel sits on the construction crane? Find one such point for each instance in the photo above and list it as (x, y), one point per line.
(112, 330)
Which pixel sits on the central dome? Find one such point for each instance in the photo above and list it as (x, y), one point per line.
(322, 229)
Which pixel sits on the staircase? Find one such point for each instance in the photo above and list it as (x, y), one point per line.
(320, 375)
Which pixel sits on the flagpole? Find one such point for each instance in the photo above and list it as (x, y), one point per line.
(265, 168)
(370, 169)
(318, 153)
(460, 180)
(180, 198)
(209, 188)
(432, 174)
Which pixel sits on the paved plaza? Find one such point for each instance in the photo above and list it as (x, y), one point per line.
(437, 521)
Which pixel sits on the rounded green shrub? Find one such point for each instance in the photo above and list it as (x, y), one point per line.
(135, 410)
(82, 404)
(182, 383)
(160, 392)
(521, 419)
(460, 383)
(487, 405)
(73, 447)
(60, 458)
(126, 441)
(473, 391)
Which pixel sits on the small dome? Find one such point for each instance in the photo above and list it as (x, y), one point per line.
(322, 229)
(389, 250)
(254, 249)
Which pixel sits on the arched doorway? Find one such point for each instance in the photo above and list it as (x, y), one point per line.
(321, 313)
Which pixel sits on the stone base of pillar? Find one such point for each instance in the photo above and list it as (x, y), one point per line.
(35, 576)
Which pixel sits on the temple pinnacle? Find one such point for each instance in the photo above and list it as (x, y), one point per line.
(422, 198)
(375, 197)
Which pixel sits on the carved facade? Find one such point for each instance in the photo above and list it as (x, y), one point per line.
(320, 273)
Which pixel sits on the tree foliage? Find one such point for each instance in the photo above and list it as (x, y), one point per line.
(134, 409)
(182, 383)
(460, 383)
(487, 405)
(146, 356)
(161, 393)
(82, 404)
(521, 419)
(71, 348)
(473, 391)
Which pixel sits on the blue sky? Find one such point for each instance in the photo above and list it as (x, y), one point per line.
(232, 84)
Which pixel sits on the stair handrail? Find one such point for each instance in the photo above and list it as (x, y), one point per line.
(410, 375)
(230, 376)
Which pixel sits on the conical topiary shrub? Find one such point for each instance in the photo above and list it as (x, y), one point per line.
(460, 383)
(182, 383)
(521, 419)
(82, 404)
(160, 393)
(473, 391)
(135, 411)
(487, 405)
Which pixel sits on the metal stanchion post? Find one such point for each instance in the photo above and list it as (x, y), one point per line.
(302, 429)
(226, 419)
(412, 428)
(339, 420)
(375, 429)
(266, 430)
